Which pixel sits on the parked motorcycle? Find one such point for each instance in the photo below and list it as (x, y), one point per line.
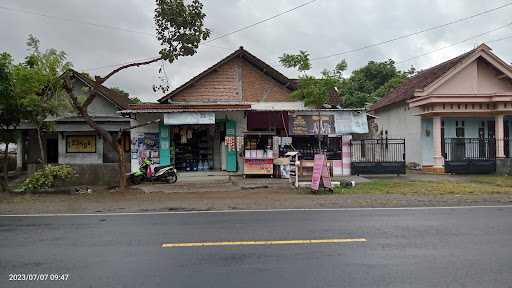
(165, 173)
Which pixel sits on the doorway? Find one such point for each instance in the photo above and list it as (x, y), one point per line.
(52, 150)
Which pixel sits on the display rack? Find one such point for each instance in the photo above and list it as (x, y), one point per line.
(195, 154)
(258, 153)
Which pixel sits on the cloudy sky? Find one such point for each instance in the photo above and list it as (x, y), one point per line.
(324, 27)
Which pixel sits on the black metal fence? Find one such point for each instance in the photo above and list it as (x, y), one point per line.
(378, 156)
(469, 155)
(309, 153)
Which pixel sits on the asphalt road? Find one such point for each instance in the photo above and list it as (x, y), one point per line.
(469, 247)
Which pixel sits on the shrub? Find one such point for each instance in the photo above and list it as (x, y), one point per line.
(46, 177)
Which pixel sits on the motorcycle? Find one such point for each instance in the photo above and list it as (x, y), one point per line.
(165, 173)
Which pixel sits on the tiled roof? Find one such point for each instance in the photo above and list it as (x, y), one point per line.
(119, 100)
(241, 52)
(419, 81)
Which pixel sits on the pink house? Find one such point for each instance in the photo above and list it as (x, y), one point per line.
(456, 117)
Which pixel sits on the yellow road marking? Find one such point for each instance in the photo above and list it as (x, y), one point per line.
(269, 242)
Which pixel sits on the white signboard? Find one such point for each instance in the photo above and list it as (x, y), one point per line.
(348, 122)
(181, 118)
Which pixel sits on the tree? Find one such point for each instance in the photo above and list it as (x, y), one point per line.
(132, 100)
(180, 29)
(37, 82)
(10, 112)
(314, 91)
(371, 82)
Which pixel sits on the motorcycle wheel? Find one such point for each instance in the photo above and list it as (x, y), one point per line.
(136, 180)
(172, 178)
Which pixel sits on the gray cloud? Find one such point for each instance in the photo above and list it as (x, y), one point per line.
(322, 28)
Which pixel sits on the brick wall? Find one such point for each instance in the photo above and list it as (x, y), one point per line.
(236, 80)
(219, 85)
(257, 86)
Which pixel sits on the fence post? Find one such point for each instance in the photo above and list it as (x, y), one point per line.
(346, 155)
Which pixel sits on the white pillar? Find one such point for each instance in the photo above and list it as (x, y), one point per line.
(436, 138)
(500, 151)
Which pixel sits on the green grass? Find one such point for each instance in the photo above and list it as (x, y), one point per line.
(467, 185)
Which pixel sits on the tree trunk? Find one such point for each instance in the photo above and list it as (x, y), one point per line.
(122, 168)
(41, 146)
(5, 169)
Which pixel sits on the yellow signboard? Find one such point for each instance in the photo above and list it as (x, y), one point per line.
(81, 144)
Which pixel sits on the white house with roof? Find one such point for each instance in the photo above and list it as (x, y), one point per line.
(456, 116)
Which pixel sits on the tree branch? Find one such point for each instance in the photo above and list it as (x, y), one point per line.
(89, 99)
(141, 125)
(83, 112)
(101, 80)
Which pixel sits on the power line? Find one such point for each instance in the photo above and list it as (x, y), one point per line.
(414, 33)
(261, 21)
(223, 35)
(73, 20)
(460, 42)
(499, 39)
(82, 22)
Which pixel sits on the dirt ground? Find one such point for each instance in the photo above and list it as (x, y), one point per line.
(103, 201)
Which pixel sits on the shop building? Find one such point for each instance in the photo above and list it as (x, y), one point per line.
(236, 116)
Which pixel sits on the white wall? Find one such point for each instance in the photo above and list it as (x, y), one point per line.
(99, 106)
(401, 122)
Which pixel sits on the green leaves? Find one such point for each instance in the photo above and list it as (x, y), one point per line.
(364, 86)
(314, 91)
(46, 177)
(299, 61)
(179, 27)
(10, 106)
(37, 83)
(370, 83)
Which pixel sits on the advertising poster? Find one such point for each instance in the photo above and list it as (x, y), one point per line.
(309, 124)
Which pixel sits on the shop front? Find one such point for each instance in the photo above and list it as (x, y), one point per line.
(273, 134)
(193, 141)
(238, 139)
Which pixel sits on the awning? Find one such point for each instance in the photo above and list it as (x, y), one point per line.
(183, 118)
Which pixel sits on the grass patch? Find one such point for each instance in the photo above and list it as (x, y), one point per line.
(471, 185)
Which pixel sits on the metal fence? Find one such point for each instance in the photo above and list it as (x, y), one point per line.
(378, 156)
(469, 155)
(457, 149)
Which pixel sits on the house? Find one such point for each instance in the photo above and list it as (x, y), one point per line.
(71, 140)
(235, 116)
(454, 116)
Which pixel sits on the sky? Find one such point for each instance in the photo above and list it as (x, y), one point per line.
(322, 28)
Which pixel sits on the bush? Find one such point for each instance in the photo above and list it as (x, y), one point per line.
(47, 177)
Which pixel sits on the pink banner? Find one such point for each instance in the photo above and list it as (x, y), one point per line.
(320, 172)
